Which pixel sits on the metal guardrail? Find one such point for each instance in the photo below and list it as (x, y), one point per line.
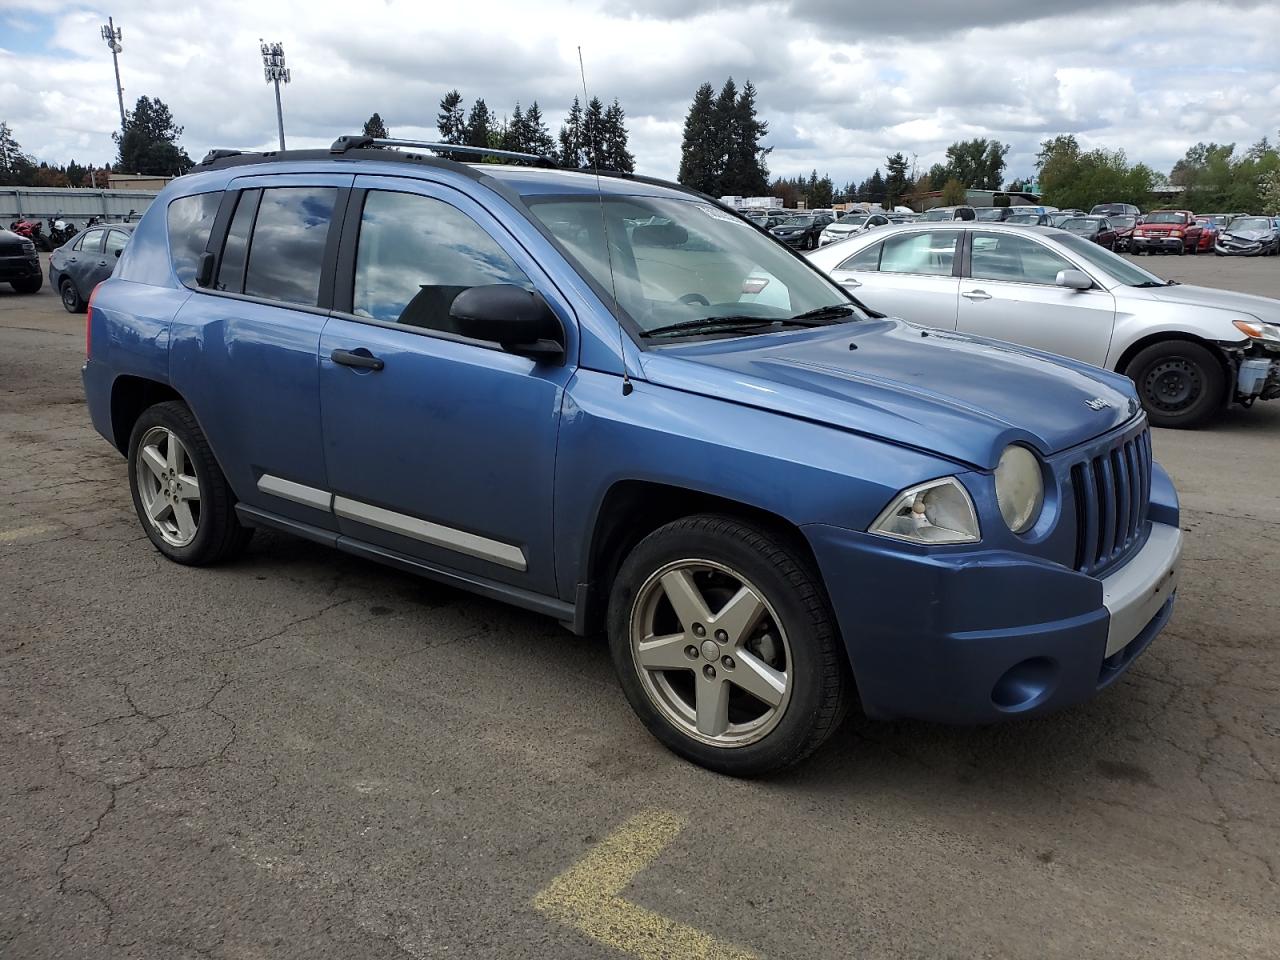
(75, 203)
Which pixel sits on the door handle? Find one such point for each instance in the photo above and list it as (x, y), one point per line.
(850, 282)
(359, 357)
(976, 295)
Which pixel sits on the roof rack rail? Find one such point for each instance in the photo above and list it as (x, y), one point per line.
(213, 155)
(343, 144)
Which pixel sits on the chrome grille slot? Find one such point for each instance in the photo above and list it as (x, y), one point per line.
(1112, 489)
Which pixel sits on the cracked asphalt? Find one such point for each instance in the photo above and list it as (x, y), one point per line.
(306, 755)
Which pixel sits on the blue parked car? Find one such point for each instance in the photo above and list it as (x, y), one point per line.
(618, 404)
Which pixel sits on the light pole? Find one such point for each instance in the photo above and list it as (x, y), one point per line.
(274, 70)
(111, 33)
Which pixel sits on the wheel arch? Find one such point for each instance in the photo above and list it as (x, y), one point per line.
(130, 396)
(632, 509)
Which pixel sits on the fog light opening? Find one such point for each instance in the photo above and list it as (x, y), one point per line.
(1025, 684)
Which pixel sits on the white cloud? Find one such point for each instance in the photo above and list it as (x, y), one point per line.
(841, 85)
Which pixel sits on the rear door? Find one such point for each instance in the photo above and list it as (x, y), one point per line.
(245, 349)
(1010, 293)
(909, 274)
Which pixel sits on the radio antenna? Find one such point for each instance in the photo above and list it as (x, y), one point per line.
(604, 224)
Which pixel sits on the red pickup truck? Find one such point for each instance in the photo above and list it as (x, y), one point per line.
(1167, 231)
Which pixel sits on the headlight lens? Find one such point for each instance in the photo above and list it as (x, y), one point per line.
(1259, 330)
(939, 511)
(1175, 233)
(1019, 488)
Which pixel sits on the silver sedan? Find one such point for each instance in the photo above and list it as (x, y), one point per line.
(1190, 350)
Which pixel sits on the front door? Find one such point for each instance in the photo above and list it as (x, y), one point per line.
(909, 274)
(1011, 294)
(437, 446)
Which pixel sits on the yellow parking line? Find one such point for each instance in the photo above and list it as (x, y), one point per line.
(587, 897)
(22, 533)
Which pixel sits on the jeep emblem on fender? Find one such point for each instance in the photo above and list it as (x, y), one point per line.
(1097, 403)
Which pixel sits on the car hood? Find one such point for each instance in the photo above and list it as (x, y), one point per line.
(961, 397)
(1162, 227)
(842, 227)
(1253, 236)
(1262, 308)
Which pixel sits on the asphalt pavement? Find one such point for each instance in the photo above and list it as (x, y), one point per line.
(302, 754)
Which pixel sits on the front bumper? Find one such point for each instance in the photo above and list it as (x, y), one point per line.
(793, 240)
(20, 267)
(1238, 250)
(1156, 243)
(975, 638)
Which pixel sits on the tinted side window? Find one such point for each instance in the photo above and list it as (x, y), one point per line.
(864, 260)
(416, 254)
(287, 249)
(235, 250)
(91, 242)
(190, 220)
(1005, 256)
(927, 253)
(116, 240)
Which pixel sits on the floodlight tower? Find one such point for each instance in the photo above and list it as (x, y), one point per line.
(275, 72)
(111, 33)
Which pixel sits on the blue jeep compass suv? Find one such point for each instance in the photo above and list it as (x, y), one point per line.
(610, 400)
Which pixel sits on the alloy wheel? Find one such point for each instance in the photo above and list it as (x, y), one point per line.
(168, 486)
(711, 653)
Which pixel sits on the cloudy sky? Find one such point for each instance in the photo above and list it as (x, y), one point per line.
(841, 82)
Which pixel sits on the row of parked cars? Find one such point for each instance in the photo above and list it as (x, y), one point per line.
(75, 267)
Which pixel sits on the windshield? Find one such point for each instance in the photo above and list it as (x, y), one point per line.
(1167, 216)
(677, 261)
(1024, 218)
(853, 219)
(1123, 270)
(991, 213)
(1081, 225)
(1249, 223)
(1124, 223)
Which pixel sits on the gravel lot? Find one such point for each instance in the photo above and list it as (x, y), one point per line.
(306, 755)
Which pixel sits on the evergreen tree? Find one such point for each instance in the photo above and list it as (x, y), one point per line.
(374, 127)
(149, 142)
(76, 174)
(875, 188)
(451, 121)
(15, 166)
(515, 135)
(538, 137)
(478, 123)
(724, 115)
(895, 184)
(614, 131)
(698, 167)
(572, 148)
(745, 172)
(593, 134)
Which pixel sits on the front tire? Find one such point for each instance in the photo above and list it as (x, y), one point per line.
(726, 647)
(1181, 384)
(183, 501)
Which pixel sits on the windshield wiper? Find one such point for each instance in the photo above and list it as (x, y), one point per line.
(1158, 283)
(830, 312)
(746, 323)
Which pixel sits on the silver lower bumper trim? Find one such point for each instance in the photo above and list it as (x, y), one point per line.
(1136, 592)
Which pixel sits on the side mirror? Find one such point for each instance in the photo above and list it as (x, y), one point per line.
(519, 320)
(1073, 280)
(119, 250)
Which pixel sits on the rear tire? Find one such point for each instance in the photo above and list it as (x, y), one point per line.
(29, 285)
(1181, 384)
(183, 501)
(72, 302)
(792, 641)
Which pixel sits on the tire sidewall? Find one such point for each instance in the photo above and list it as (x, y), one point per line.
(809, 638)
(1211, 377)
(164, 415)
(76, 305)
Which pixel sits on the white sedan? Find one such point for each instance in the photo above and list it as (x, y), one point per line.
(850, 224)
(1190, 350)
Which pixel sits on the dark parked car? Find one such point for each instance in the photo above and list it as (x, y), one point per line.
(950, 213)
(1248, 237)
(1097, 229)
(994, 214)
(802, 230)
(78, 266)
(19, 263)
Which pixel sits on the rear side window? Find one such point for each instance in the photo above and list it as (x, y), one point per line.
(190, 220)
(416, 254)
(286, 252)
(235, 250)
(921, 253)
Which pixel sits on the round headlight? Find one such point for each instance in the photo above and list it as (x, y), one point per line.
(1019, 488)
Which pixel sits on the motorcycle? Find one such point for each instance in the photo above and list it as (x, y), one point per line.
(32, 230)
(60, 231)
